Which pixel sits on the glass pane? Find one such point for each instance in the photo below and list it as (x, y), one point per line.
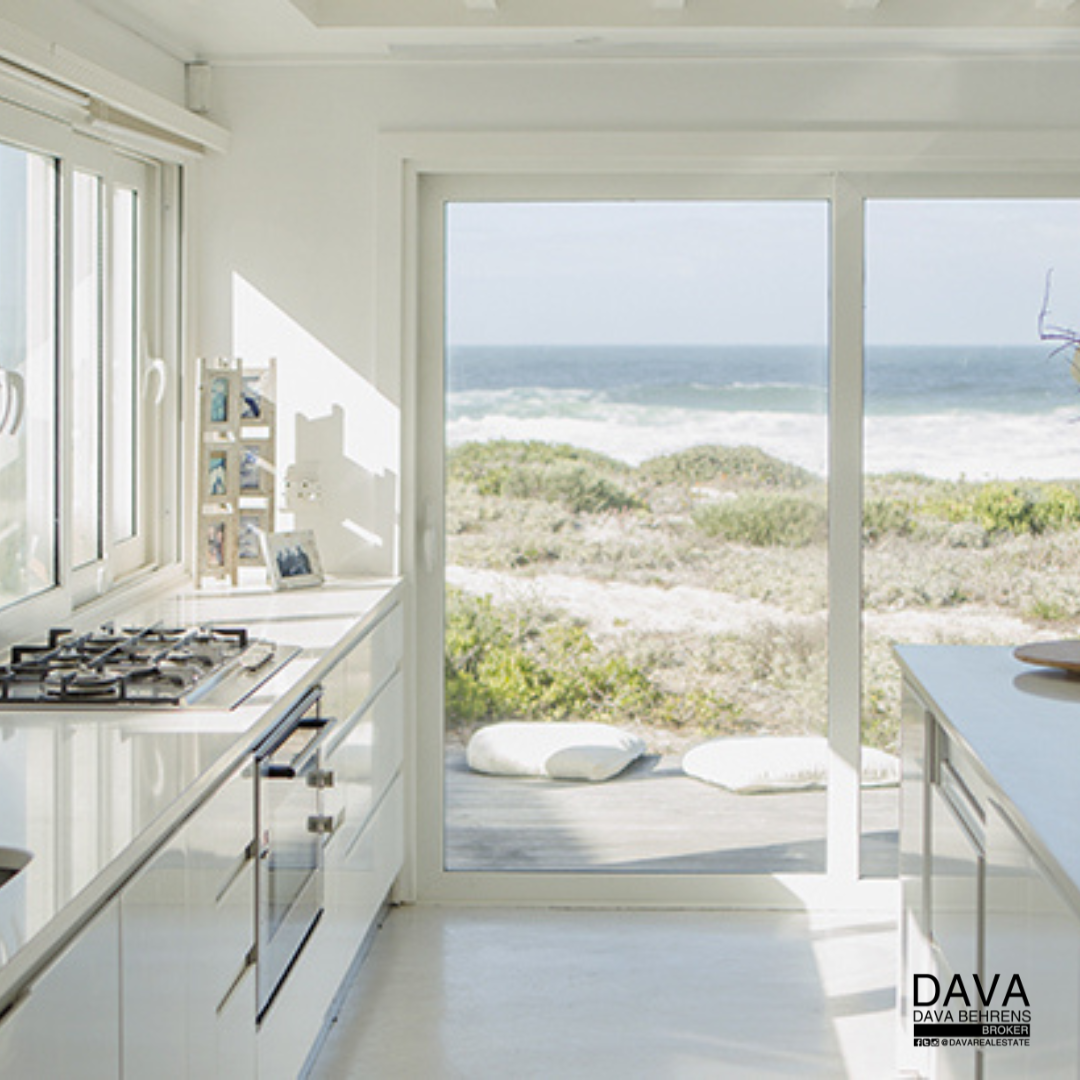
(27, 374)
(971, 516)
(124, 381)
(86, 398)
(636, 533)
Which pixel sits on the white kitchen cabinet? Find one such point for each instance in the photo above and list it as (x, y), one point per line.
(153, 960)
(187, 933)
(979, 899)
(1032, 931)
(67, 1025)
(219, 843)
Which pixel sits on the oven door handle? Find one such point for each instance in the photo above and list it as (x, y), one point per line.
(324, 726)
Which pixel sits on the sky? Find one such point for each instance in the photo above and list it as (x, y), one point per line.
(601, 273)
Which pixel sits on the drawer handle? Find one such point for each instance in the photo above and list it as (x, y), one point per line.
(249, 963)
(325, 824)
(321, 779)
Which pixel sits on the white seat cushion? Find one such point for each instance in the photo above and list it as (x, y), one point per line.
(569, 750)
(754, 764)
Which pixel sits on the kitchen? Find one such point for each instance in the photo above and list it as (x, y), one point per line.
(296, 147)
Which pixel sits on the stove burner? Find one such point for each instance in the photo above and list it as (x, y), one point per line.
(83, 684)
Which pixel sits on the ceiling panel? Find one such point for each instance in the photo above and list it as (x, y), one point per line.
(253, 30)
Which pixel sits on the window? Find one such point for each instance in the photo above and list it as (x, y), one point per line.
(28, 357)
(79, 505)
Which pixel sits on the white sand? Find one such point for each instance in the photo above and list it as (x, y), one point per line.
(613, 607)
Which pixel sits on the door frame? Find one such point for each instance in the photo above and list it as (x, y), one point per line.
(417, 174)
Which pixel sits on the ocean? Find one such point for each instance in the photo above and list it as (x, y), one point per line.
(983, 412)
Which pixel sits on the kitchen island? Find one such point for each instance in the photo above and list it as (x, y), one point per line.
(990, 862)
(109, 802)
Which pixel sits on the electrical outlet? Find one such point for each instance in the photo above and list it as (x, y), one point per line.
(303, 488)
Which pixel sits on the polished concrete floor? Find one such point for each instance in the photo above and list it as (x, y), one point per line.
(525, 994)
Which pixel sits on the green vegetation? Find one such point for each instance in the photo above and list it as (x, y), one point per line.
(579, 480)
(765, 519)
(729, 466)
(503, 662)
(943, 561)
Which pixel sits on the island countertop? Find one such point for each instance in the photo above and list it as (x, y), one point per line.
(1021, 723)
(92, 794)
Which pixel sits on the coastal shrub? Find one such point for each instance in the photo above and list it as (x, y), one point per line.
(764, 519)
(747, 466)
(580, 480)
(499, 666)
(578, 488)
(882, 516)
(1001, 507)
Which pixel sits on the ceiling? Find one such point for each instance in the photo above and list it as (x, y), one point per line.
(246, 31)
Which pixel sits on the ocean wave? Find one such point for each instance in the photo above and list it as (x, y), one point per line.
(944, 445)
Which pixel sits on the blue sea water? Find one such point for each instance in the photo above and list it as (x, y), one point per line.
(979, 411)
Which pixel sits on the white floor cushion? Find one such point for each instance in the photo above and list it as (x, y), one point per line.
(754, 764)
(568, 750)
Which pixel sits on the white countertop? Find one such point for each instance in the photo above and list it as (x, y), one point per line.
(92, 794)
(1022, 725)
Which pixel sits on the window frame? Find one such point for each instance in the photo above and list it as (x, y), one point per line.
(156, 544)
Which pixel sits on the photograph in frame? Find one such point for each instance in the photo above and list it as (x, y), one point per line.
(216, 545)
(217, 472)
(256, 473)
(219, 396)
(249, 540)
(256, 398)
(292, 560)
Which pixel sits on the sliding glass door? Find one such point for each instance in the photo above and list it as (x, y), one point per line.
(703, 460)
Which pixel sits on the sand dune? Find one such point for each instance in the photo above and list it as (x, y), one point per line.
(613, 607)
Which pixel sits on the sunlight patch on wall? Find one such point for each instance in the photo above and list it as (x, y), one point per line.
(334, 425)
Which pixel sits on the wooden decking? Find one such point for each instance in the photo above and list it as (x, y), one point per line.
(651, 818)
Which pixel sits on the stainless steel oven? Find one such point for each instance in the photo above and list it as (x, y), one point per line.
(291, 833)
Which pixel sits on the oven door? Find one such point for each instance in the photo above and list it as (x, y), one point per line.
(289, 887)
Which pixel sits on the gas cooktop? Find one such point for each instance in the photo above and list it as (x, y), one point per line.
(203, 666)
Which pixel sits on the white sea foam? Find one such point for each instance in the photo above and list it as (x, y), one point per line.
(946, 445)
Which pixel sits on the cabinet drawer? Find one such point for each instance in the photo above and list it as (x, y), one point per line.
(363, 757)
(349, 685)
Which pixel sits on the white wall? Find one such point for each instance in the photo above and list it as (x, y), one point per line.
(288, 260)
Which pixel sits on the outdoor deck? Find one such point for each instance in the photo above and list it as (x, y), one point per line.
(650, 818)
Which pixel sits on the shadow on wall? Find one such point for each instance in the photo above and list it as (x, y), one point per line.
(334, 426)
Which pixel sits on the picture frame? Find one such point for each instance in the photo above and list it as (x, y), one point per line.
(252, 527)
(292, 559)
